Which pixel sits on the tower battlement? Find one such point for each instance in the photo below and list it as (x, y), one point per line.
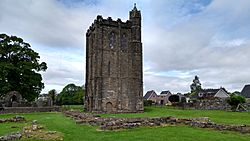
(100, 21)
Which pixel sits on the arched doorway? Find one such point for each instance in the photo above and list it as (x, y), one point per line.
(13, 101)
(109, 107)
(13, 98)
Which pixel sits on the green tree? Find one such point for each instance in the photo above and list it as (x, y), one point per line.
(19, 67)
(235, 100)
(147, 102)
(195, 87)
(236, 93)
(52, 94)
(71, 95)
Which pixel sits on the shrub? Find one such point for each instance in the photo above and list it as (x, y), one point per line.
(147, 102)
(235, 100)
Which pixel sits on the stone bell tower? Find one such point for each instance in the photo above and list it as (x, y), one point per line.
(114, 78)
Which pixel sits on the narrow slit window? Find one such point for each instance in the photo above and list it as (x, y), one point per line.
(109, 68)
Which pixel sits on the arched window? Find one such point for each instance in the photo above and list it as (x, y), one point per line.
(13, 98)
(124, 41)
(112, 40)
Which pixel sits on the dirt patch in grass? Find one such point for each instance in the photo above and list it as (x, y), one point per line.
(38, 132)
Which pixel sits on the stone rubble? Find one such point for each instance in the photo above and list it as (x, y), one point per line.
(13, 119)
(112, 123)
(12, 136)
(33, 131)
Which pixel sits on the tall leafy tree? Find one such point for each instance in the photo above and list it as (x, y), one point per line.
(71, 94)
(19, 68)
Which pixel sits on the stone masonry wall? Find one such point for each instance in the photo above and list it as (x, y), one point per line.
(215, 104)
(128, 123)
(28, 109)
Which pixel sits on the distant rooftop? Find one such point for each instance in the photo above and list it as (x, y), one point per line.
(148, 94)
(246, 91)
(165, 92)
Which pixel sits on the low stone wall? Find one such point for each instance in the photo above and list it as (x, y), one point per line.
(215, 104)
(127, 123)
(29, 109)
(247, 105)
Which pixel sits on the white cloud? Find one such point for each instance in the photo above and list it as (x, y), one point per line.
(45, 22)
(213, 42)
(64, 67)
(180, 39)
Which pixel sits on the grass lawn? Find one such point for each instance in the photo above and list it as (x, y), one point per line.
(74, 132)
(73, 107)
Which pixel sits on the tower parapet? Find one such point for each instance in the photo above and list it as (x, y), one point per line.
(100, 21)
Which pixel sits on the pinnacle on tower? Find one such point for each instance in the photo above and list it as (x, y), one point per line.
(134, 13)
(134, 9)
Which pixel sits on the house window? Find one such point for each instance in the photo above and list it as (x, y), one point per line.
(112, 40)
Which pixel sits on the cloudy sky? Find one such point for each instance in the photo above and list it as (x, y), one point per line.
(181, 39)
